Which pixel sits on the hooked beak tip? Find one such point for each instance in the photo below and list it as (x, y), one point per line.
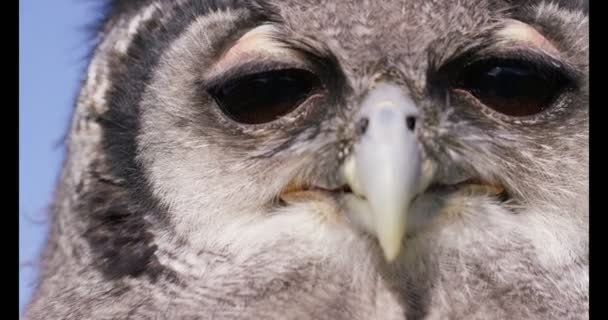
(391, 246)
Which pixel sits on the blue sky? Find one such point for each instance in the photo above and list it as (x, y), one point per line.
(52, 52)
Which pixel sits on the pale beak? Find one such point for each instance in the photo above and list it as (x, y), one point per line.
(385, 169)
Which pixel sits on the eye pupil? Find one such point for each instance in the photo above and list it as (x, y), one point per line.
(265, 96)
(510, 88)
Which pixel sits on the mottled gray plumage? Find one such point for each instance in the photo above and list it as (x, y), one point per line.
(168, 209)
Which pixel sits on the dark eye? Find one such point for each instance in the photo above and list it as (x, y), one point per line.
(511, 88)
(265, 96)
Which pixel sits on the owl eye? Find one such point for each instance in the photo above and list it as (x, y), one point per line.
(265, 96)
(510, 87)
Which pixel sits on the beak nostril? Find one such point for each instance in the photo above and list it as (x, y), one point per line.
(410, 121)
(362, 125)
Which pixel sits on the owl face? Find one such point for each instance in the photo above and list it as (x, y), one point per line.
(399, 121)
(327, 160)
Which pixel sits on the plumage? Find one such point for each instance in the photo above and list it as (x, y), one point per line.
(207, 163)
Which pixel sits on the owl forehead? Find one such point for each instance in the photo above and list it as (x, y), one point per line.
(364, 34)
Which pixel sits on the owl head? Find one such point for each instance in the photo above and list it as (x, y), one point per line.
(419, 138)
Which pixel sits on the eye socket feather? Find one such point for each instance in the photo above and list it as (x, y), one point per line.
(266, 96)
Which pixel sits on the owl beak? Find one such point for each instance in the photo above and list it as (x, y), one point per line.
(385, 169)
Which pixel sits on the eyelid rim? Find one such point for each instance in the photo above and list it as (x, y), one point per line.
(252, 67)
(441, 78)
(244, 70)
(545, 115)
(525, 55)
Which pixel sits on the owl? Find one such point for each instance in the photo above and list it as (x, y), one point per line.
(306, 159)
